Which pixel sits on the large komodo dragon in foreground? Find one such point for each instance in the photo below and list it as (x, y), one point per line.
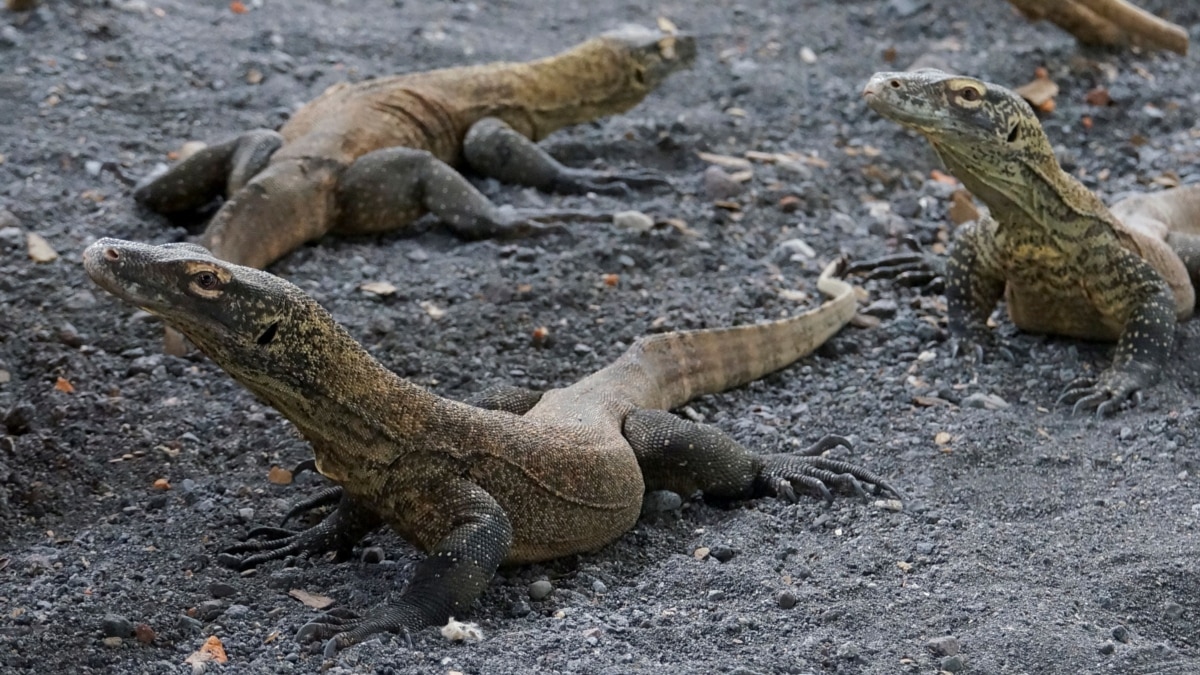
(376, 155)
(528, 476)
(1065, 263)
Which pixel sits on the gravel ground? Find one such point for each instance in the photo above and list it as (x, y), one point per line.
(1037, 542)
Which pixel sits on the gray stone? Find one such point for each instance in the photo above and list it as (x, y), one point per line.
(720, 185)
(984, 402)
(947, 645)
(953, 664)
(540, 590)
(115, 625)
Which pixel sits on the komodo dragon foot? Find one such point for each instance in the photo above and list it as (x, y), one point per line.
(337, 533)
(1111, 390)
(915, 268)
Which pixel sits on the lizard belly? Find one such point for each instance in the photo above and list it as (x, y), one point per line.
(1067, 313)
(1045, 293)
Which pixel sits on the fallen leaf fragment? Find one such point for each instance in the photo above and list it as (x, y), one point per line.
(1098, 96)
(962, 208)
(432, 310)
(943, 177)
(611, 279)
(162, 484)
(238, 7)
(64, 385)
(380, 288)
(904, 567)
(726, 161)
(667, 26)
(144, 633)
(254, 76)
(700, 553)
(40, 250)
(279, 476)
(1038, 91)
(942, 438)
(540, 335)
(458, 631)
(211, 650)
(311, 599)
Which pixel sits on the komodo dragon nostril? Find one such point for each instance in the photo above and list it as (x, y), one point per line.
(112, 254)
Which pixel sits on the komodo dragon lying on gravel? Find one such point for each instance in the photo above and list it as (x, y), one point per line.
(1064, 263)
(374, 156)
(527, 477)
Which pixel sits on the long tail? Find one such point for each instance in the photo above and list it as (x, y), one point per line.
(665, 371)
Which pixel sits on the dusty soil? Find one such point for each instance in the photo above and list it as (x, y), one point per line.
(1042, 542)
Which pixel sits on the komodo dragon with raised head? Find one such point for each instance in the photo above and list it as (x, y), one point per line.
(1064, 263)
(527, 477)
(376, 155)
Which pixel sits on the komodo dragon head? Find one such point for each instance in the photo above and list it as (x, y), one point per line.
(652, 55)
(265, 331)
(987, 135)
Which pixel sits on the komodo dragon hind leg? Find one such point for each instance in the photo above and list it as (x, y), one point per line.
(216, 170)
(495, 149)
(516, 400)
(681, 456)
(916, 267)
(388, 189)
(338, 532)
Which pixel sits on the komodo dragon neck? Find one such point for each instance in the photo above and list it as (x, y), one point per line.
(991, 140)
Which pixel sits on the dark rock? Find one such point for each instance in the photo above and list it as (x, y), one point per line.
(114, 625)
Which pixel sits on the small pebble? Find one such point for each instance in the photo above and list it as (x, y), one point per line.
(785, 599)
(92, 167)
(373, 555)
(715, 595)
(847, 651)
(633, 220)
(722, 553)
(219, 589)
(661, 501)
(947, 645)
(598, 587)
(1120, 634)
(540, 590)
(953, 664)
(115, 625)
(1173, 610)
(112, 642)
(1107, 647)
(984, 402)
(718, 184)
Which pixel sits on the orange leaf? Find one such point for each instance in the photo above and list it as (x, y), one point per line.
(211, 650)
(943, 178)
(237, 7)
(279, 476)
(64, 385)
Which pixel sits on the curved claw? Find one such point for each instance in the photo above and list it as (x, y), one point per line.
(326, 497)
(1106, 394)
(826, 442)
(820, 473)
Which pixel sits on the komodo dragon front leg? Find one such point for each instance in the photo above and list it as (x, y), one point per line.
(217, 170)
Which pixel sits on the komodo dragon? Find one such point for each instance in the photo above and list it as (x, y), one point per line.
(1064, 263)
(376, 155)
(527, 477)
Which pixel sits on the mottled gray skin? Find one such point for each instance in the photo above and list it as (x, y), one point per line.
(376, 155)
(1062, 261)
(529, 477)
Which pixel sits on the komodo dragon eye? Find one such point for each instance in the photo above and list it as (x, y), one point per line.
(206, 281)
(969, 94)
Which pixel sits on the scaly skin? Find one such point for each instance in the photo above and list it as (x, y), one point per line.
(529, 477)
(376, 155)
(1064, 263)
